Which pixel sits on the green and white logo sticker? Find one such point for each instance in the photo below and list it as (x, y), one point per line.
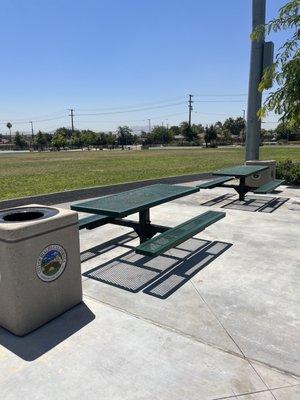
(51, 263)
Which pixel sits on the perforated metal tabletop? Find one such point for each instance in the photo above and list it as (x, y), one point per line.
(126, 203)
(241, 170)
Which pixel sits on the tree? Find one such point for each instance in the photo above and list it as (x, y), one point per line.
(58, 141)
(161, 134)
(285, 71)
(284, 131)
(88, 138)
(188, 132)
(20, 142)
(225, 136)
(210, 135)
(125, 135)
(111, 139)
(9, 126)
(40, 140)
(175, 130)
(66, 132)
(235, 126)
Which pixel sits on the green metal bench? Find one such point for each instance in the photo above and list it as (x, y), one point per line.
(268, 187)
(93, 221)
(215, 182)
(174, 236)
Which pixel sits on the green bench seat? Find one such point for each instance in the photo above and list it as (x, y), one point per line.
(215, 182)
(93, 221)
(174, 236)
(268, 187)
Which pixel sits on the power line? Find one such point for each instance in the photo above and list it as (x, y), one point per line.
(133, 120)
(133, 110)
(132, 106)
(123, 109)
(221, 95)
(37, 120)
(43, 117)
(221, 101)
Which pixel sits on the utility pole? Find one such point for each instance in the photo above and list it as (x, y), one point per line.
(149, 125)
(32, 133)
(253, 129)
(72, 118)
(190, 109)
(244, 129)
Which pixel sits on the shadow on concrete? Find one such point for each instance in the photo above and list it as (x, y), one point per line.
(182, 273)
(218, 199)
(134, 272)
(96, 251)
(264, 204)
(35, 344)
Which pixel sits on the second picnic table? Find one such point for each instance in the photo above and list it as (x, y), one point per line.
(241, 172)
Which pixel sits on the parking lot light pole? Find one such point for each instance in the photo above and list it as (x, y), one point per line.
(253, 128)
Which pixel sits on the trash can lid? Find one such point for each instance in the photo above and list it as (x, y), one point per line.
(22, 223)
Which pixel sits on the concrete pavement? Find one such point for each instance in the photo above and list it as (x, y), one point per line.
(217, 317)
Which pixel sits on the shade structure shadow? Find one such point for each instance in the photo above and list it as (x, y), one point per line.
(218, 199)
(107, 246)
(48, 336)
(165, 286)
(251, 203)
(134, 272)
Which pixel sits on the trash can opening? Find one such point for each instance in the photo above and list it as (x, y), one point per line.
(26, 214)
(23, 216)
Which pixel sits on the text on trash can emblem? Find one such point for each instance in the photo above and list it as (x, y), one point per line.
(51, 263)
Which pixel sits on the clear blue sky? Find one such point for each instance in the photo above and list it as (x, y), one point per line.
(96, 54)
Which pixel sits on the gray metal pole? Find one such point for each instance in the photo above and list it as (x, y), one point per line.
(253, 128)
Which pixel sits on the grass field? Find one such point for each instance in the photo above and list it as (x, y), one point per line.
(38, 173)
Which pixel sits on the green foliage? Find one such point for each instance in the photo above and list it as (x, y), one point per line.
(58, 141)
(125, 136)
(66, 132)
(234, 126)
(285, 71)
(210, 135)
(19, 141)
(289, 171)
(190, 133)
(88, 138)
(283, 131)
(40, 140)
(161, 134)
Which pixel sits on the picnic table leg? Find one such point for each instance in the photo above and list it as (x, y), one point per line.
(144, 225)
(242, 189)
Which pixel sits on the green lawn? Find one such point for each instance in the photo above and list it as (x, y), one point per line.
(36, 173)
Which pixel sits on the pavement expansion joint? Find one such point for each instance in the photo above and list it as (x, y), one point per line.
(196, 339)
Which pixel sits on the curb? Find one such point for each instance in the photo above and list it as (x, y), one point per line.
(86, 193)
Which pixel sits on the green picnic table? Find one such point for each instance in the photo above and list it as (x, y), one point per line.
(241, 172)
(113, 208)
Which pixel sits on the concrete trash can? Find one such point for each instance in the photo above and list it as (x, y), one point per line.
(40, 275)
(262, 177)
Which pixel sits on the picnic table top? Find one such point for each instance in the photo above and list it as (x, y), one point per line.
(132, 201)
(241, 170)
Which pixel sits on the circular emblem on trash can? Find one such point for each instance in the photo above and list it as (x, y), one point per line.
(51, 263)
